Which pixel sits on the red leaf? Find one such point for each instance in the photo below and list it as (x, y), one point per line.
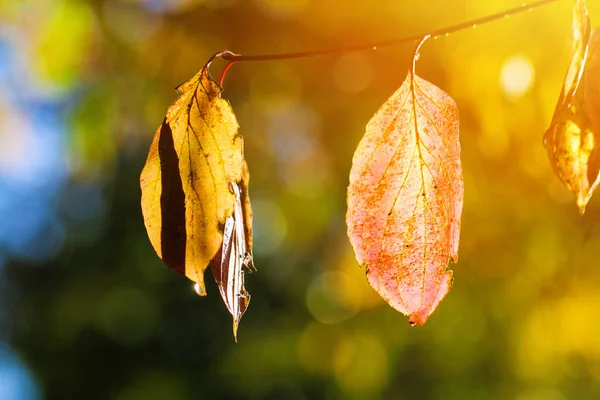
(405, 198)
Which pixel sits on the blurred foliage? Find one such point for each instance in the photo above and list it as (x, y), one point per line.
(104, 318)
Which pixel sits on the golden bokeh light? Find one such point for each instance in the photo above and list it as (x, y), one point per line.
(517, 76)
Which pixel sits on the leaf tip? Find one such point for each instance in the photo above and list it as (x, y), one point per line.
(417, 318)
(235, 328)
(582, 201)
(236, 324)
(199, 289)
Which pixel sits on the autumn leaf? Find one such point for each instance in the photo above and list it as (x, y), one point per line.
(572, 139)
(591, 83)
(228, 265)
(405, 198)
(194, 185)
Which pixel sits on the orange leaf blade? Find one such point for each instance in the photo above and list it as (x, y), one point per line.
(405, 198)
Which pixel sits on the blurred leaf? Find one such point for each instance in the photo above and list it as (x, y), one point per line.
(571, 140)
(63, 41)
(93, 145)
(405, 198)
(195, 192)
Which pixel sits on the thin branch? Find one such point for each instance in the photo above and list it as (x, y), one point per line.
(229, 56)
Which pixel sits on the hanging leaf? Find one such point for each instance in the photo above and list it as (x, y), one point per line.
(573, 136)
(591, 82)
(192, 184)
(228, 265)
(405, 198)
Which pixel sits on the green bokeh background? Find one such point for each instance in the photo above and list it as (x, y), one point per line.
(106, 319)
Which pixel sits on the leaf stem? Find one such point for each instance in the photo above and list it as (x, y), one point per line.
(229, 56)
(416, 52)
(224, 71)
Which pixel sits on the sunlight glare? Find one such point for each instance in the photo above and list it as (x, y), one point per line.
(517, 76)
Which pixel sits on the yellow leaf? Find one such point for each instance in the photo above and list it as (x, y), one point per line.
(571, 141)
(195, 161)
